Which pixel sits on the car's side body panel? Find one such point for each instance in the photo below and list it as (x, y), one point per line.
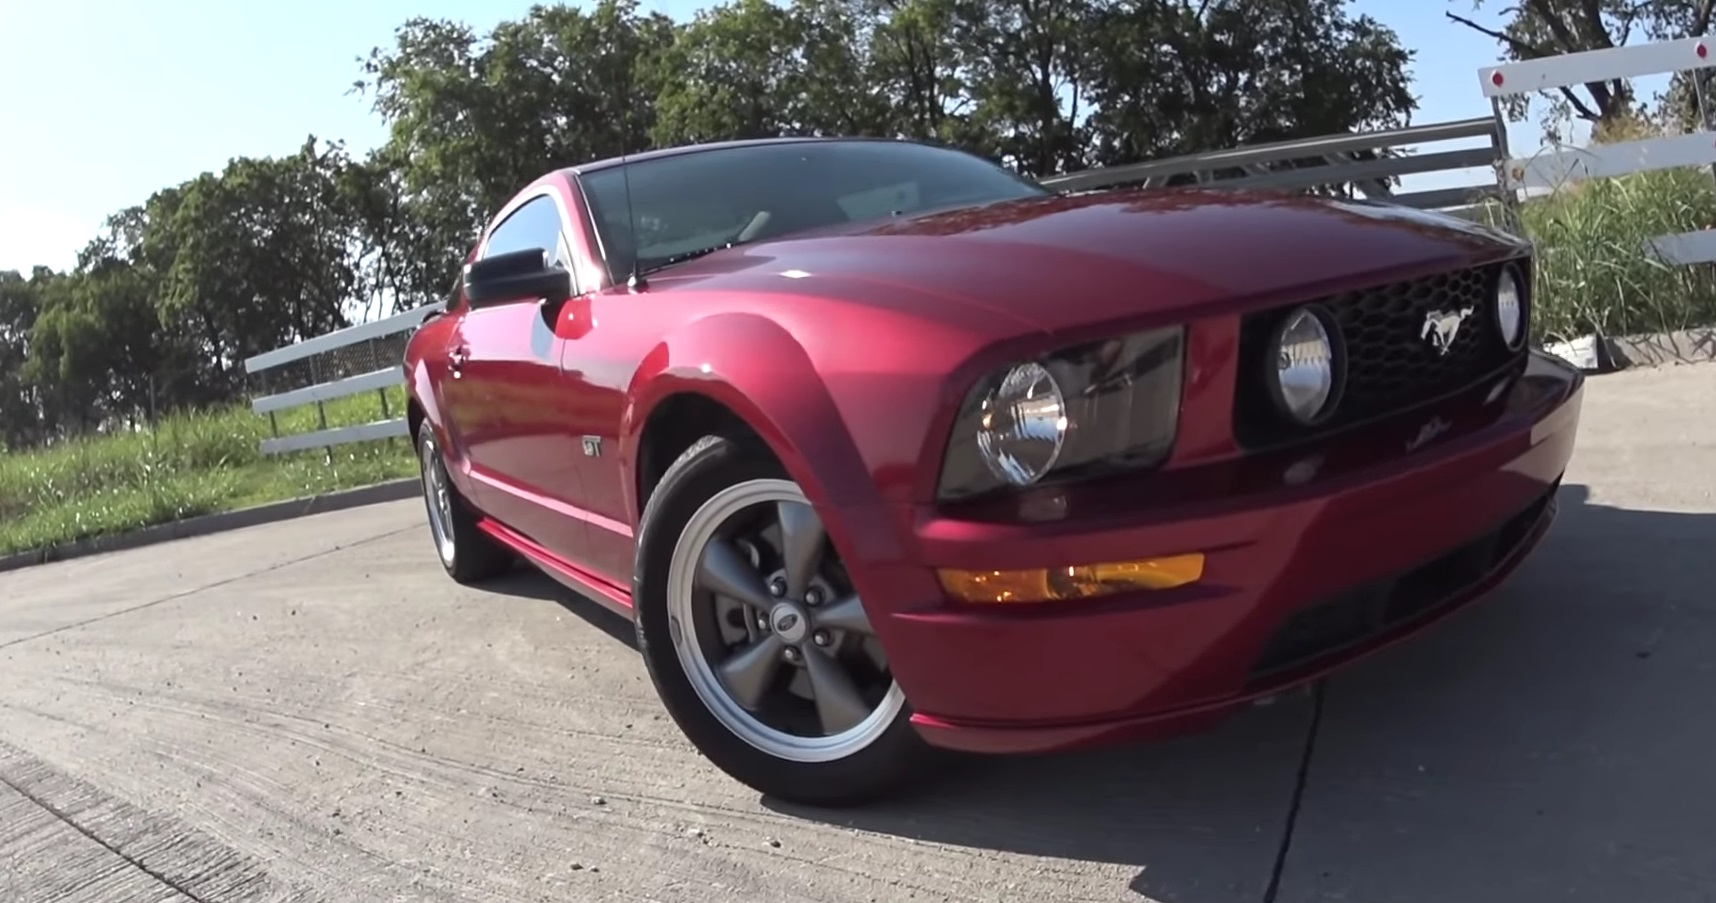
(514, 404)
(509, 401)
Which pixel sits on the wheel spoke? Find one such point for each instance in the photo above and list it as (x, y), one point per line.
(443, 499)
(837, 700)
(801, 545)
(845, 613)
(750, 672)
(724, 571)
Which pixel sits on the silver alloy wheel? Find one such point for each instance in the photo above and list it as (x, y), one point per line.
(751, 642)
(438, 498)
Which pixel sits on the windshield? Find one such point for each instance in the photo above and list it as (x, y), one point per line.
(687, 204)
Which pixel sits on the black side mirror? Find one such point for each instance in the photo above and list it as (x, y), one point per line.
(516, 276)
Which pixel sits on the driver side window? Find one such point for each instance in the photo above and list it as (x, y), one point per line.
(536, 224)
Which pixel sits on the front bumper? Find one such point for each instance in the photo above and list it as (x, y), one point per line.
(1302, 576)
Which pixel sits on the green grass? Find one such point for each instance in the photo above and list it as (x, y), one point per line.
(191, 464)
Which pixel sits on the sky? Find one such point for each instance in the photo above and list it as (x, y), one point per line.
(106, 101)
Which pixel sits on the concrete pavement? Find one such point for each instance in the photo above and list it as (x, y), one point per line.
(310, 711)
(1552, 743)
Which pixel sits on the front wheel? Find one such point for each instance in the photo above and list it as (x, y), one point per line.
(757, 643)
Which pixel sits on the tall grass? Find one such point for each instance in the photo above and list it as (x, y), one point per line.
(1595, 270)
(189, 464)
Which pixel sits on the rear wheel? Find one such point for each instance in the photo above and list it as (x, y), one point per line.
(466, 552)
(757, 643)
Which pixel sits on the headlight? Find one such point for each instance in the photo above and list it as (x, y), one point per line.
(1307, 375)
(1510, 308)
(1023, 426)
(1100, 407)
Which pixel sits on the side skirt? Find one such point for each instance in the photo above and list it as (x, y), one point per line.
(615, 598)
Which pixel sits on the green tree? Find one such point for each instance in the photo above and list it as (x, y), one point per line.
(734, 71)
(919, 63)
(472, 119)
(262, 254)
(1173, 77)
(20, 406)
(1030, 84)
(93, 353)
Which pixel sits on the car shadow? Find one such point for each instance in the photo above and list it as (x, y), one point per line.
(526, 583)
(1486, 700)
(1551, 743)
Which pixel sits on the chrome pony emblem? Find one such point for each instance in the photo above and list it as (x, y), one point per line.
(1441, 326)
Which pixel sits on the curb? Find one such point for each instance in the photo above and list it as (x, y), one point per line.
(391, 491)
(1607, 354)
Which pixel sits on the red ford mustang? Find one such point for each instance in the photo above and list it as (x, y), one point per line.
(884, 448)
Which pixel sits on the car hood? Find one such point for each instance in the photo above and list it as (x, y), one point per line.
(1065, 262)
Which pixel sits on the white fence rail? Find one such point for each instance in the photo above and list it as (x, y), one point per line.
(1555, 167)
(374, 381)
(1367, 160)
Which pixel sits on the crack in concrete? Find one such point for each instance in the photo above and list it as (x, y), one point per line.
(1298, 798)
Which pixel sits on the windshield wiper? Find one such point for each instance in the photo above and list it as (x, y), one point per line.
(684, 256)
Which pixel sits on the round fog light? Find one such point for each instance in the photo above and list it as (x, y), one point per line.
(1510, 309)
(1024, 425)
(1304, 352)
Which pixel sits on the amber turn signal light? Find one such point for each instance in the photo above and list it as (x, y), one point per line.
(1086, 581)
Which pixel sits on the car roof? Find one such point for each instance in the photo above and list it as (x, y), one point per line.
(682, 150)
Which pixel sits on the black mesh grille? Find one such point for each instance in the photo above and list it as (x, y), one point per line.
(1391, 365)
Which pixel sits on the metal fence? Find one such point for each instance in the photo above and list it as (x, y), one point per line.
(1566, 164)
(1369, 161)
(362, 358)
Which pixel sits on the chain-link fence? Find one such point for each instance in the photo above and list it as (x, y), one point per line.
(356, 359)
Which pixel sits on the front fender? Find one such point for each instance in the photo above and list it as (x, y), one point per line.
(759, 371)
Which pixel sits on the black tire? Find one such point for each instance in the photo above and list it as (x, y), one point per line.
(468, 554)
(896, 756)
